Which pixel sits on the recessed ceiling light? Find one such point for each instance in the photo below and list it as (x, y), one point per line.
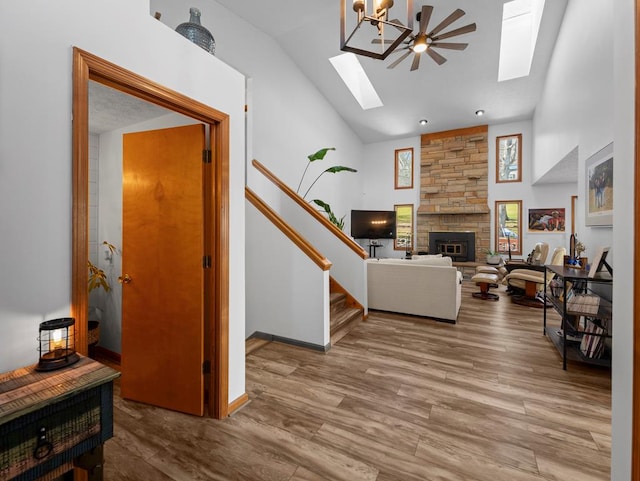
(480, 113)
(423, 122)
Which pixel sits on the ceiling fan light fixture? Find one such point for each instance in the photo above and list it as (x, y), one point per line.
(420, 44)
(373, 19)
(430, 41)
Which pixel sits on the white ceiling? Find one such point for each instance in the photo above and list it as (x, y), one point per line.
(110, 109)
(447, 95)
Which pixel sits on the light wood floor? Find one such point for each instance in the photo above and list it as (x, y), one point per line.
(400, 398)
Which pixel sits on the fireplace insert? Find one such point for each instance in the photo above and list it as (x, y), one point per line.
(460, 246)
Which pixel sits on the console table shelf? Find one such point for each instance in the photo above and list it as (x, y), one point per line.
(568, 338)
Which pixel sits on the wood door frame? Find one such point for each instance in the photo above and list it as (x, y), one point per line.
(87, 67)
(635, 427)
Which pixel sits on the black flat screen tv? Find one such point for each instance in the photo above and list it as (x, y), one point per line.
(373, 224)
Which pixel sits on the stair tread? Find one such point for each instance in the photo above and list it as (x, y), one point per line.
(336, 297)
(349, 318)
(344, 315)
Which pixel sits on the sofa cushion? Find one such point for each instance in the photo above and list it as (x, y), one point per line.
(433, 261)
(427, 261)
(425, 256)
(394, 260)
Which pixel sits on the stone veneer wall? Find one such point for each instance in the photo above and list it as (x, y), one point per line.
(454, 186)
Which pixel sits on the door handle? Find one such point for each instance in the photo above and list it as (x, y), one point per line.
(126, 279)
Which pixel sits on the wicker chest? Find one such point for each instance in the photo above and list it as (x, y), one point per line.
(50, 419)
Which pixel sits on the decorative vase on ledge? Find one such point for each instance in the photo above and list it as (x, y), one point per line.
(196, 32)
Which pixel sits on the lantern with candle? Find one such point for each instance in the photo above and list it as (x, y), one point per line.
(56, 346)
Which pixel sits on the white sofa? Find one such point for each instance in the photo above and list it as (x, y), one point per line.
(428, 286)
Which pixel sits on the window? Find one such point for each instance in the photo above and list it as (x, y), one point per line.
(404, 228)
(508, 233)
(404, 168)
(508, 158)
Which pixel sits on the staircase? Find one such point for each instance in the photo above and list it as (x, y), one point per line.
(343, 317)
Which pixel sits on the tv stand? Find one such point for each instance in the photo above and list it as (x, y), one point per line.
(374, 247)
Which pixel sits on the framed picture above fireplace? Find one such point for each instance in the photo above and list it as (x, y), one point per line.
(508, 231)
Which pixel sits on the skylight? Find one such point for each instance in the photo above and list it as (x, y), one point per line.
(520, 25)
(356, 80)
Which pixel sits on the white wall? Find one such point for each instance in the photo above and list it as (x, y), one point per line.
(588, 102)
(35, 170)
(288, 117)
(532, 196)
(379, 191)
(292, 276)
(623, 236)
(576, 108)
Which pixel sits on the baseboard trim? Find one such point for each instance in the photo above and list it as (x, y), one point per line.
(293, 342)
(438, 319)
(105, 353)
(237, 404)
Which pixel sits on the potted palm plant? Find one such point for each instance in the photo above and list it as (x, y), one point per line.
(97, 280)
(319, 155)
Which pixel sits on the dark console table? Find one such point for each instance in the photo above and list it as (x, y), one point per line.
(51, 422)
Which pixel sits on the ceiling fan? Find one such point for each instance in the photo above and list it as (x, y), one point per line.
(426, 42)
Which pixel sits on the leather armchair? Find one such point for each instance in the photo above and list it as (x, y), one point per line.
(530, 281)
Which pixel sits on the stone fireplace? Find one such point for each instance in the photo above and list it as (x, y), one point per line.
(454, 190)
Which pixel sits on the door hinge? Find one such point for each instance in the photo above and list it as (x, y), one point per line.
(206, 367)
(206, 156)
(206, 262)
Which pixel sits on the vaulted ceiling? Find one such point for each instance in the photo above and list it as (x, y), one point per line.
(446, 95)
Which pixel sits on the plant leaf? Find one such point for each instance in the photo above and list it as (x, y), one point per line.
(339, 168)
(324, 205)
(339, 223)
(319, 155)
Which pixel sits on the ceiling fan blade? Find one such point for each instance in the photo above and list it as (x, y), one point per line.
(425, 16)
(394, 64)
(379, 40)
(458, 31)
(439, 59)
(450, 45)
(447, 21)
(416, 62)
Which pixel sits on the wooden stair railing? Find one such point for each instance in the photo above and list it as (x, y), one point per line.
(345, 312)
(303, 244)
(354, 246)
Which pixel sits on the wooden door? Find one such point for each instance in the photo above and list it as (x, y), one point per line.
(162, 268)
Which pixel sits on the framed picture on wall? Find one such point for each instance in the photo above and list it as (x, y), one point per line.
(599, 188)
(547, 220)
(404, 168)
(509, 158)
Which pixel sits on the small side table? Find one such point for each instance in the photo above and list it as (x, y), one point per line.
(51, 422)
(374, 247)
